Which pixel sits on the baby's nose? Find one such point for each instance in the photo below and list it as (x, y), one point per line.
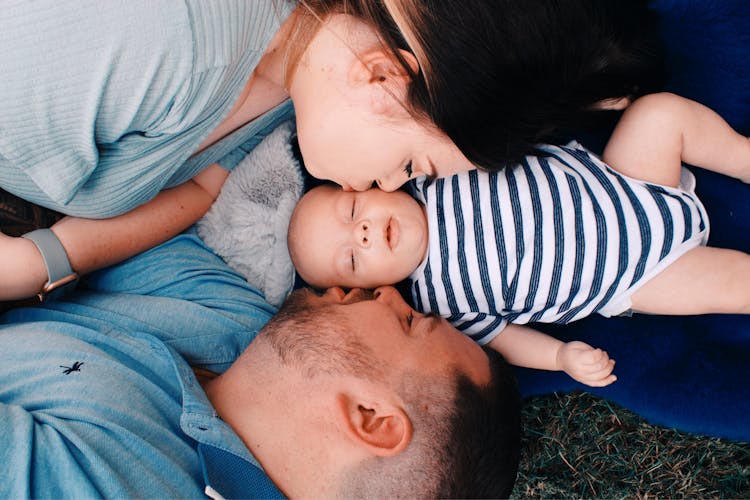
(362, 233)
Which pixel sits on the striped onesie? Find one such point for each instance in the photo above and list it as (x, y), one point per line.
(552, 240)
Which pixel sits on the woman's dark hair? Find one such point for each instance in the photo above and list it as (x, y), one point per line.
(501, 76)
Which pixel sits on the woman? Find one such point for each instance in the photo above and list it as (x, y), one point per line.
(105, 106)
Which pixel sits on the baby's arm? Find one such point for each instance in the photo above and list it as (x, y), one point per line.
(524, 346)
(92, 244)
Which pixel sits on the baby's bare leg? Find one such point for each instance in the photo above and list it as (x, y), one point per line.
(659, 132)
(705, 280)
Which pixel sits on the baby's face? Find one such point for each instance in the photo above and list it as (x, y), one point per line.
(357, 239)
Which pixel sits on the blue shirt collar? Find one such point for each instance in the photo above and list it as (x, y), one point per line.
(229, 476)
(229, 469)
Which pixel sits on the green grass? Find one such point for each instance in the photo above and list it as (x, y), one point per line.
(579, 446)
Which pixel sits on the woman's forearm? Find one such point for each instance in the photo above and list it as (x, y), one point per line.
(95, 243)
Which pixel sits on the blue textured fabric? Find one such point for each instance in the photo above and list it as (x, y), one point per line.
(689, 373)
(97, 398)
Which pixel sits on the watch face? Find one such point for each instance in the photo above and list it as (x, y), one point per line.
(56, 289)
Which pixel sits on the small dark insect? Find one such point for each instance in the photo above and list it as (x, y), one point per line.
(70, 369)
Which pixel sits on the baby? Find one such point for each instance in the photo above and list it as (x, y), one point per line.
(559, 237)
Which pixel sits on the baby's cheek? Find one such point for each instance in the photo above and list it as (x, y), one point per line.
(401, 268)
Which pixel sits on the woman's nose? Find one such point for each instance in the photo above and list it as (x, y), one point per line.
(363, 185)
(391, 182)
(362, 234)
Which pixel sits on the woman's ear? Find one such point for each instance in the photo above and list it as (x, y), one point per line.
(380, 426)
(380, 66)
(379, 71)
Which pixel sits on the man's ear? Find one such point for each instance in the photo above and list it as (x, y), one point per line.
(381, 426)
(380, 68)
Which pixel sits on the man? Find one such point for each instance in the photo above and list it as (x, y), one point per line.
(339, 395)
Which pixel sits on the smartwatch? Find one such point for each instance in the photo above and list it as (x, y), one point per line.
(61, 278)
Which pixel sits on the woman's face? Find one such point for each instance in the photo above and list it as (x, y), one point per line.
(356, 149)
(351, 125)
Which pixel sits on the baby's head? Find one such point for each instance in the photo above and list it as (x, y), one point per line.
(356, 239)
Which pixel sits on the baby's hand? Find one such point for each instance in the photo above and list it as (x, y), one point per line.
(585, 364)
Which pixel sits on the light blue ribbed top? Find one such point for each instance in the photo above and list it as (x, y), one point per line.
(102, 103)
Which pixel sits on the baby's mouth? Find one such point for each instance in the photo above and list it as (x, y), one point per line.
(392, 233)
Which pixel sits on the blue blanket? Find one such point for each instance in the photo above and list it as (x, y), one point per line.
(690, 373)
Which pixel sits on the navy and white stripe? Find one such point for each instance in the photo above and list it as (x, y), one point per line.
(557, 238)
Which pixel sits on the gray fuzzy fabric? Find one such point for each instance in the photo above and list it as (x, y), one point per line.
(247, 224)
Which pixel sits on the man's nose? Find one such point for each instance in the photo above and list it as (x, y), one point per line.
(356, 295)
(335, 293)
(338, 296)
(363, 233)
(389, 295)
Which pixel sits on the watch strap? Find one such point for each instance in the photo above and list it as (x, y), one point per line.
(60, 276)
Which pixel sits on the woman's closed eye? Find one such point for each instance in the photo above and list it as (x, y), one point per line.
(408, 169)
